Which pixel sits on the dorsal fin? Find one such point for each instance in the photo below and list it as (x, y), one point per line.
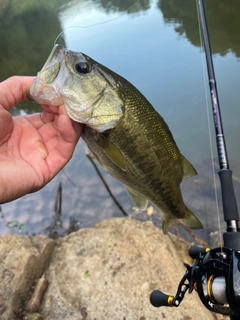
(188, 168)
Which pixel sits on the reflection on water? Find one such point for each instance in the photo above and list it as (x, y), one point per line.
(155, 46)
(222, 18)
(123, 6)
(27, 31)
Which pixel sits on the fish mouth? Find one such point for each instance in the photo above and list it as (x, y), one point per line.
(45, 88)
(44, 94)
(56, 55)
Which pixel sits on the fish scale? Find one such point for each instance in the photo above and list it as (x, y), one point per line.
(122, 129)
(142, 149)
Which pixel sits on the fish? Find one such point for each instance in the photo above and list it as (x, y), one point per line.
(123, 131)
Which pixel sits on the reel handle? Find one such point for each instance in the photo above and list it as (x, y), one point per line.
(195, 251)
(160, 299)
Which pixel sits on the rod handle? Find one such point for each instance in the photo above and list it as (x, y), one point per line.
(228, 197)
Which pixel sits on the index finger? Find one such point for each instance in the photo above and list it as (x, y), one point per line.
(14, 90)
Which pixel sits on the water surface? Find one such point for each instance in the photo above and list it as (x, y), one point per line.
(156, 46)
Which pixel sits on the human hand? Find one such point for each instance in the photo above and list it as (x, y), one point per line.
(33, 148)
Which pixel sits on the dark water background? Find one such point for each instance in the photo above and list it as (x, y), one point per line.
(156, 46)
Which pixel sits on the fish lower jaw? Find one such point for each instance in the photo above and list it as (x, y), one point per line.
(85, 118)
(78, 117)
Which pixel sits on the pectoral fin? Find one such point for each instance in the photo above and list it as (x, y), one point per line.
(188, 169)
(112, 152)
(96, 158)
(139, 202)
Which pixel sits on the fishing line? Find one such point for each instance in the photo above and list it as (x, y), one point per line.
(97, 23)
(209, 126)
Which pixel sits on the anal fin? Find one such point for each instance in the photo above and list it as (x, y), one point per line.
(139, 201)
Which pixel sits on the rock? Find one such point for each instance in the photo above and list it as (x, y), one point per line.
(33, 316)
(104, 272)
(37, 295)
(108, 272)
(23, 261)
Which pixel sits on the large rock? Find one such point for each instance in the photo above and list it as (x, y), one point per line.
(108, 272)
(104, 272)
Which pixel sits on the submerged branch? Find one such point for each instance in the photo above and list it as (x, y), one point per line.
(67, 176)
(193, 235)
(58, 202)
(106, 186)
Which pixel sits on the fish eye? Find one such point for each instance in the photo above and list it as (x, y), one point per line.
(82, 67)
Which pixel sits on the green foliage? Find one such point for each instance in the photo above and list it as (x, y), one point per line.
(121, 6)
(22, 228)
(12, 224)
(28, 29)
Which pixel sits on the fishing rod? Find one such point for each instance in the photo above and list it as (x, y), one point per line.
(215, 274)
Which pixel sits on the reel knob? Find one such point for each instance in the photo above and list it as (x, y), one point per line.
(160, 299)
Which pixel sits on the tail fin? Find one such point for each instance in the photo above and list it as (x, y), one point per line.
(190, 221)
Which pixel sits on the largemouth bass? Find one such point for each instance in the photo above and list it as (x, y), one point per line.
(122, 130)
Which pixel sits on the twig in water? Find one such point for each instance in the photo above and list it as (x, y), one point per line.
(55, 229)
(193, 235)
(1, 212)
(66, 175)
(58, 201)
(106, 186)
